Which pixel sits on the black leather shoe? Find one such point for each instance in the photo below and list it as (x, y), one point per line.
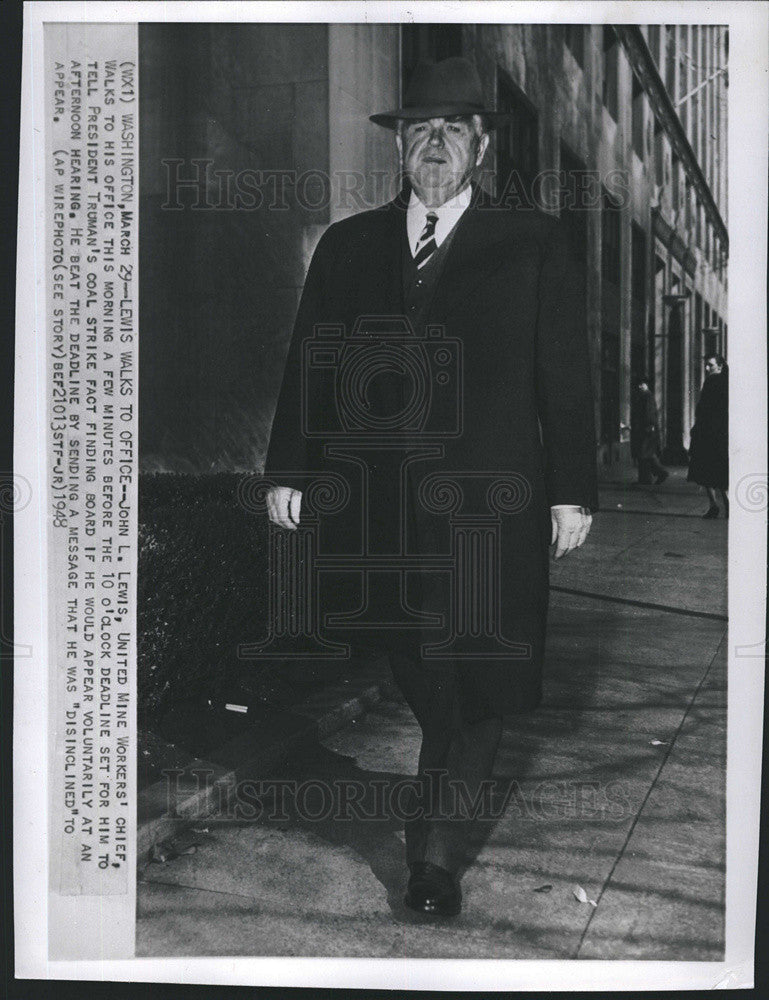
(433, 890)
(662, 477)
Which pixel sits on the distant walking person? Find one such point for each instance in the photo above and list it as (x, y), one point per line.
(709, 449)
(644, 437)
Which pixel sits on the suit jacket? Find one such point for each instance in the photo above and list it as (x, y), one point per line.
(510, 307)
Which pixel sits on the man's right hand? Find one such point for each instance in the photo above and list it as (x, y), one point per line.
(283, 505)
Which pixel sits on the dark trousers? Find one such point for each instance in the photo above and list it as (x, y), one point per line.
(647, 466)
(456, 756)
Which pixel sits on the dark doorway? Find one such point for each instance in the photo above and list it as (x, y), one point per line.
(639, 363)
(710, 339)
(698, 346)
(656, 321)
(609, 387)
(674, 449)
(610, 314)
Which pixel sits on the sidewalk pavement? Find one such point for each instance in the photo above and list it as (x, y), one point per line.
(650, 544)
(618, 781)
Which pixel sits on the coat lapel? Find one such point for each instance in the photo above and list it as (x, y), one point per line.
(376, 263)
(466, 265)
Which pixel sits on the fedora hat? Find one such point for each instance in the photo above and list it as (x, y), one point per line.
(441, 90)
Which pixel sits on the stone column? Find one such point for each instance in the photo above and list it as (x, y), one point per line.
(593, 275)
(625, 86)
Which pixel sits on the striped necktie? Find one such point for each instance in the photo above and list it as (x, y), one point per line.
(426, 246)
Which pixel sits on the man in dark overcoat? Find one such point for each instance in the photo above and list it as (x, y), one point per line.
(439, 370)
(709, 447)
(645, 436)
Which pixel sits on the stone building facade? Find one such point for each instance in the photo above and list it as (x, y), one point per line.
(634, 119)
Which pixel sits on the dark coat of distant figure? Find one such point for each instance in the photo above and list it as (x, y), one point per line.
(709, 448)
(644, 430)
(512, 296)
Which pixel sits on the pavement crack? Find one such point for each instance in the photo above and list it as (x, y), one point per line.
(652, 786)
(631, 602)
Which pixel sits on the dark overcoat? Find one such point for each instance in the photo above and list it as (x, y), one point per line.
(644, 429)
(506, 431)
(709, 447)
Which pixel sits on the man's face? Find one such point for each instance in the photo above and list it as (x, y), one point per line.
(439, 156)
(712, 367)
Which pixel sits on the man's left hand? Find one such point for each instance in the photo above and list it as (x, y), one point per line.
(571, 526)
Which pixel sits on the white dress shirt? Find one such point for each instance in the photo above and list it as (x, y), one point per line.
(449, 214)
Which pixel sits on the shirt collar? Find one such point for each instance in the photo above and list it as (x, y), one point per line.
(448, 214)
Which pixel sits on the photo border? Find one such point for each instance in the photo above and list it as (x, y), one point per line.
(748, 129)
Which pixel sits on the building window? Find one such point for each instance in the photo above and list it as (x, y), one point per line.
(696, 58)
(710, 334)
(659, 153)
(688, 207)
(698, 224)
(720, 257)
(697, 365)
(639, 101)
(517, 138)
(683, 77)
(698, 74)
(610, 231)
(711, 145)
(610, 72)
(714, 337)
(711, 337)
(676, 183)
(695, 131)
(430, 42)
(574, 40)
(655, 33)
(670, 60)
